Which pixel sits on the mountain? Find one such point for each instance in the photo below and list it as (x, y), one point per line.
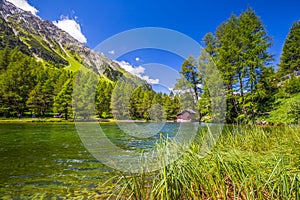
(49, 44)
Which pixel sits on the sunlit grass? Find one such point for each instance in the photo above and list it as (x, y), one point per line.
(248, 162)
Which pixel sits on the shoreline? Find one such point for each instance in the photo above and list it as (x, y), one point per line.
(103, 121)
(70, 121)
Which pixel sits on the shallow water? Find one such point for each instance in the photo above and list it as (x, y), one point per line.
(39, 160)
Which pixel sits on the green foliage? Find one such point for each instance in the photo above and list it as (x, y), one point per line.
(204, 105)
(43, 87)
(246, 163)
(4, 59)
(45, 52)
(209, 41)
(103, 98)
(63, 100)
(189, 71)
(287, 111)
(212, 103)
(171, 106)
(292, 86)
(30, 44)
(111, 74)
(38, 101)
(121, 97)
(290, 57)
(83, 95)
(9, 40)
(16, 82)
(28, 86)
(136, 100)
(239, 50)
(157, 113)
(187, 85)
(42, 95)
(264, 96)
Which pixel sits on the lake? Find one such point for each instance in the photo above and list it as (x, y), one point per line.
(49, 160)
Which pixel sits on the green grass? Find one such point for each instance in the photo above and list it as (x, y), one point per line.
(246, 163)
(287, 112)
(74, 64)
(29, 119)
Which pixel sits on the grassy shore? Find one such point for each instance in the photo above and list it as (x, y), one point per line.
(47, 119)
(29, 119)
(52, 119)
(246, 163)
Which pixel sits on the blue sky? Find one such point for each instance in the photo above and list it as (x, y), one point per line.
(99, 19)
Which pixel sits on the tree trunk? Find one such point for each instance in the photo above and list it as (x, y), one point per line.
(242, 95)
(66, 114)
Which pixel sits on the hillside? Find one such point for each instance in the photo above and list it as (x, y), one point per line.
(39, 64)
(49, 44)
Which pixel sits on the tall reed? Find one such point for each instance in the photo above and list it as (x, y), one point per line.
(249, 162)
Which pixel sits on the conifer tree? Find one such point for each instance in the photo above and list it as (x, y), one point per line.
(63, 101)
(290, 57)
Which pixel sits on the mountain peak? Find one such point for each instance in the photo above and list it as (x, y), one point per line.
(49, 43)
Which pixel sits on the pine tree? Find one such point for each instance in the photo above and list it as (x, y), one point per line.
(264, 95)
(103, 98)
(137, 96)
(189, 70)
(226, 62)
(209, 41)
(4, 58)
(63, 101)
(176, 106)
(254, 55)
(17, 81)
(42, 95)
(204, 104)
(239, 50)
(168, 106)
(290, 57)
(147, 103)
(35, 100)
(84, 92)
(121, 98)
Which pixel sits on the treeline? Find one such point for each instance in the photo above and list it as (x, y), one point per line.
(239, 51)
(28, 87)
(131, 100)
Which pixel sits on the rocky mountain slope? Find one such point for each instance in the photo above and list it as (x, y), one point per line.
(49, 44)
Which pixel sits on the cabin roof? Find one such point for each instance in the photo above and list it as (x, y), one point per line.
(187, 110)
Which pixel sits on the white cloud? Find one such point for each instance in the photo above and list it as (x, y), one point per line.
(150, 80)
(112, 52)
(71, 27)
(24, 5)
(137, 71)
(137, 59)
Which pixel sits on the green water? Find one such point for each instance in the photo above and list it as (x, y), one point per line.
(49, 161)
(46, 160)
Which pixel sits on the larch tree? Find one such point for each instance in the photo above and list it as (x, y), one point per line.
(254, 56)
(290, 57)
(239, 48)
(63, 100)
(189, 71)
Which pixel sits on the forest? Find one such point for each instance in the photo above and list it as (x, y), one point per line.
(239, 48)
